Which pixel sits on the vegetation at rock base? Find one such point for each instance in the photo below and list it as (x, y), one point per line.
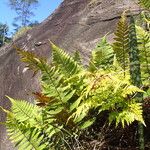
(73, 97)
(80, 107)
(21, 32)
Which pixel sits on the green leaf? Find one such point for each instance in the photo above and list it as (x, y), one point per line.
(23, 110)
(145, 3)
(76, 104)
(88, 123)
(102, 55)
(23, 137)
(143, 39)
(66, 64)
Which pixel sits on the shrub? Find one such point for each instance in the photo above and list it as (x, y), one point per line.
(20, 32)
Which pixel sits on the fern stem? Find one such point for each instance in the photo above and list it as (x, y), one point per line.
(45, 69)
(135, 73)
(141, 136)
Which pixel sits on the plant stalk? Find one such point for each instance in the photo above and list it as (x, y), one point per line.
(135, 73)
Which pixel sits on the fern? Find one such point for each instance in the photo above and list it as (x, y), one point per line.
(51, 78)
(145, 3)
(23, 110)
(23, 124)
(143, 38)
(77, 57)
(127, 116)
(24, 139)
(121, 44)
(66, 64)
(33, 62)
(135, 72)
(96, 94)
(72, 97)
(101, 56)
(134, 57)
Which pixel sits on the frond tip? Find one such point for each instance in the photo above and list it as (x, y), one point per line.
(101, 56)
(33, 62)
(21, 122)
(121, 44)
(66, 64)
(23, 110)
(145, 3)
(126, 117)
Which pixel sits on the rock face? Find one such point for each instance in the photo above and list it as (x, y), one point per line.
(75, 25)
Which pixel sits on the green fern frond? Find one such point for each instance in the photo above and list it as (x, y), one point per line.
(51, 78)
(77, 57)
(33, 62)
(121, 44)
(135, 72)
(96, 94)
(130, 90)
(54, 88)
(129, 115)
(22, 131)
(145, 3)
(67, 65)
(143, 38)
(23, 137)
(52, 85)
(23, 110)
(102, 55)
(87, 123)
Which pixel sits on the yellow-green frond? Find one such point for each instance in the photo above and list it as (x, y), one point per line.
(102, 55)
(121, 44)
(66, 64)
(33, 62)
(23, 110)
(145, 3)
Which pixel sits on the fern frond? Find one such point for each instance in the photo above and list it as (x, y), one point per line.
(77, 57)
(22, 131)
(129, 115)
(23, 137)
(23, 110)
(130, 90)
(55, 90)
(51, 78)
(33, 62)
(145, 3)
(143, 38)
(96, 95)
(121, 44)
(102, 55)
(66, 64)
